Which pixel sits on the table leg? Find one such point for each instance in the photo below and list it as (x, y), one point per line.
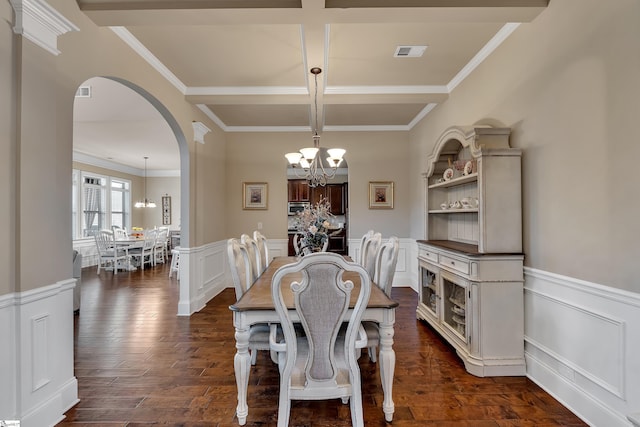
(242, 366)
(387, 362)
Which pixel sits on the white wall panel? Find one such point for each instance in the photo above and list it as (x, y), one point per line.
(8, 355)
(582, 341)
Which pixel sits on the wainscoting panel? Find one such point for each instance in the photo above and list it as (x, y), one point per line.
(37, 349)
(202, 276)
(582, 342)
(8, 356)
(406, 268)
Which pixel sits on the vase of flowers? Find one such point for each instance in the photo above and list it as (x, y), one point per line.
(313, 226)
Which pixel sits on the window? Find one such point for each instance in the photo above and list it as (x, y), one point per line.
(98, 203)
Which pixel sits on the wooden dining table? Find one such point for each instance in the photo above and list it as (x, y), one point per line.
(256, 306)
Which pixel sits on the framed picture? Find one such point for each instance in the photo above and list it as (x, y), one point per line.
(254, 195)
(166, 210)
(380, 194)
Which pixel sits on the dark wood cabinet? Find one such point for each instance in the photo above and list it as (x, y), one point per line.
(290, 249)
(332, 192)
(338, 242)
(298, 190)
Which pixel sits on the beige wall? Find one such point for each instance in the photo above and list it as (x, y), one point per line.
(372, 156)
(567, 84)
(156, 188)
(7, 151)
(39, 168)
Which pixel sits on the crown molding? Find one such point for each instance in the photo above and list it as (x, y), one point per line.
(146, 54)
(37, 21)
(385, 90)
(486, 50)
(88, 159)
(248, 90)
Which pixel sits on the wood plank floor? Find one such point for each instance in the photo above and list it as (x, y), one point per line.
(138, 364)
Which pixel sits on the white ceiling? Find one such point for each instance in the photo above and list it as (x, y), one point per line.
(246, 64)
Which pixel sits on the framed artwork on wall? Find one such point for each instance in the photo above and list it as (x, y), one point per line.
(254, 195)
(380, 194)
(166, 210)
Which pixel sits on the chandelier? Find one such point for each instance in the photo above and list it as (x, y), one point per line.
(145, 203)
(307, 163)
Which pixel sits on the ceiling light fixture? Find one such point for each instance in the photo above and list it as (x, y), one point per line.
(307, 163)
(146, 203)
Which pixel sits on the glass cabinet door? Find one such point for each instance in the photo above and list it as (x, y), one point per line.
(454, 296)
(429, 294)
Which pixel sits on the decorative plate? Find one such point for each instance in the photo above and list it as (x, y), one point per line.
(448, 174)
(468, 168)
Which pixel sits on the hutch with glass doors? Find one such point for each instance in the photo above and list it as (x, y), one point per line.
(471, 264)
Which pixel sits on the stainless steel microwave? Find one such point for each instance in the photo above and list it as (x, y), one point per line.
(295, 207)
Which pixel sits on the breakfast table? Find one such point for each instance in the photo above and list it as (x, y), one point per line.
(256, 306)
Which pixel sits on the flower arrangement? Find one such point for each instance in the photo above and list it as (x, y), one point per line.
(313, 224)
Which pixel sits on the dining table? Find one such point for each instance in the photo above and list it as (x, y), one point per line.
(256, 306)
(126, 244)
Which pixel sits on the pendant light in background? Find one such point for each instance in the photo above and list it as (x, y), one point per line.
(145, 203)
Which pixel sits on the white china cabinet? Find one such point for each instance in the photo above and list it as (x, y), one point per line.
(471, 264)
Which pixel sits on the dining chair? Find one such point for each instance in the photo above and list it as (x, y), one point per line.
(262, 247)
(119, 233)
(254, 255)
(108, 253)
(145, 253)
(365, 237)
(385, 269)
(160, 247)
(297, 243)
(319, 360)
(241, 275)
(369, 253)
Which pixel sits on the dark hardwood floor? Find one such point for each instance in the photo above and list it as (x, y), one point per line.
(138, 364)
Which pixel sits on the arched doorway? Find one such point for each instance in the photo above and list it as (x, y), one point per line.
(119, 123)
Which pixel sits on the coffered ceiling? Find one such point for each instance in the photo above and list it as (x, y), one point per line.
(246, 63)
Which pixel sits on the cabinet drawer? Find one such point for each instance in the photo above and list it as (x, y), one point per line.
(455, 264)
(429, 255)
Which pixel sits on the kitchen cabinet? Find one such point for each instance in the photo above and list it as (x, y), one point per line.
(471, 264)
(298, 190)
(338, 242)
(334, 193)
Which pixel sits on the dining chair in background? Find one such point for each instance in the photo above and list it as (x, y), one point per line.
(385, 269)
(119, 233)
(365, 237)
(261, 240)
(369, 253)
(254, 255)
(319, 362)
(145, 254)
(242, 276)
(160, 253)
(108, 253)
(297, 243)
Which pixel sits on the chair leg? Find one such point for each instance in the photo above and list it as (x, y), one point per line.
(357, 418)
(372, 353)
(284, 407)
(254, 356)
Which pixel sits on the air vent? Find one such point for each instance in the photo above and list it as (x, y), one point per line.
(83, 92)
(409, 51)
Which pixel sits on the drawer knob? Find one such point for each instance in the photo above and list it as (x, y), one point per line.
(453, 263)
